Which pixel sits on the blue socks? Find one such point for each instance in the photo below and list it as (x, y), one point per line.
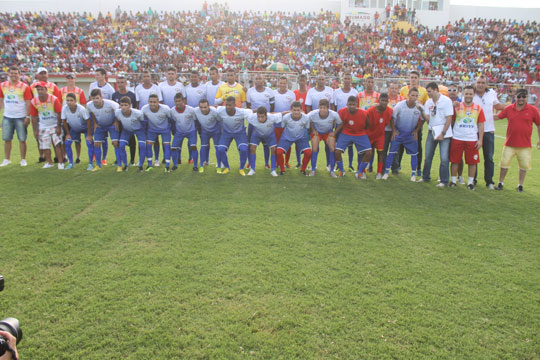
(332, 161)
(243, 155)
(273, 160)
(90, 147)
(69, 151)
(167, 154)
(97, 152)
(314, 155)
(266, 154)
(195, 157)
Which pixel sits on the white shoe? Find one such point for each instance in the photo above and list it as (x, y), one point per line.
(251, 172)
(47, 166)
(312, 173)
(420, 180)
(328, 168)
(491, 187)
(274, 173)
(440, 185)
(333, 174)
(60, 166)
(379, 176)
(6, 162)
(385, 176)
(23, 162)
(364, 176)
(156, 163)
(461, 180)
(413, 178)
(360, 177)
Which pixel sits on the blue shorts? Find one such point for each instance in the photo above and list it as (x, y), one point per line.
(126, 135)
(101, 133)
(206, 135)
(9, 125)
(76, 135)
(408, 142)
(226, 138)
(360, 141)
(301, 144)
(269, 140)
(151, 136)
(179, 139)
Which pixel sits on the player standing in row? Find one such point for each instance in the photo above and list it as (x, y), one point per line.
(393, 98)
(468, 133)
(213, 85)
(340, 102)
(296, 125)
(107, 90)
(75, 118)
(121, 83)
(183, 117)
(231, 89)
(405, 124)
(45, 110)
(367, 99)
(101, 125)
(15, 98)
(157, 116)
(379, 117)
(142, 95)
(133, 123)
(323, 125)
(261, 126)
(210, 129)
(80, 99)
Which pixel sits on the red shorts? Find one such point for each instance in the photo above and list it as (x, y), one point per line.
(377, 143)
(457, 147)
(323, 137)
(278, 132)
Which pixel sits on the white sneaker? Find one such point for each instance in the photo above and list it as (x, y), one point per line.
(6, 162)
(491, 187)
(461, 180)
(379, 176)
(413, 178)
(312, 173)
(23, 162)
(47, 166)
(440, 185)
(328, 168)
(60, 166)
(251, 172)
(420, 180)
(385, 176)
(333, 174)
(156, 163)
(360, 177)
(274, 173)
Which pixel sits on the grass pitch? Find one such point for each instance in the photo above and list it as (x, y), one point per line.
(205, 266)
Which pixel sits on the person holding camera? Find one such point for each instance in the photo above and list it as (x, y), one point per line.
(12, 342)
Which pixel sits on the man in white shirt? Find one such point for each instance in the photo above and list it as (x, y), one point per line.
(101, 83)
(170, 87)
(438, 112)
(213, 85)
(142, 93)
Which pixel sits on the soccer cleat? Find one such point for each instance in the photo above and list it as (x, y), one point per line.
(333, 174)
(140, 169)
(282, 173)
(273, 173)
(470, 187)
(303, 172)
(225, 171)
(78, 161)
(328, 168)
(190, 161)
(47, 166)
(490, 187)
(370, 169)
(201, 169)
(351, 169)
(61, 166)
(519, 188)
(167, 170)
(125, 168)
(385, 176)
(118, 169)
(90, 167)
(242, 172)
(23, 162)
(156, 163)
(252, 172)
(413, 178)
(341, 174)
(114, 163)
(499, 186)
(195, 169)
(440, 185)
(364, 176)
(298, 166)
(452, 185)
(461, 180)
(312, 173)
(6, 162)
(40, 160)
(174, 168)
(266, 166)
(379, 176)
(421, 180)
(287, 166)
(219, 170)
(104, 162)
(70, 166)
(97, 168)
(149, 168)
(133, 164)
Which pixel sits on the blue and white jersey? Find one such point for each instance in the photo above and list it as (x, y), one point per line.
(266, 128)
(195, 94)
(210, 122)
(105, 114)
(169, 92)
(405, 118)
(283, 102)
(142, 94)
(106, 90)
(340, 97)
(211, 91)
(294, 129)
(77, 119)
(157, 121)
(234, 123)
(326, 125)
(313, 96)
(133, 122)
(185, 120)
(263, 98)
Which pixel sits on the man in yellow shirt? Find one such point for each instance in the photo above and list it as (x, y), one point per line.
(231, 88)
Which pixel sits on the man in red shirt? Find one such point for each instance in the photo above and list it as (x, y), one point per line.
(300, 94)
(355, 122)
(520, 117)
(380, 116)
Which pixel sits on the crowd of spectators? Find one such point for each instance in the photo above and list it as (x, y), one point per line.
(505, 51)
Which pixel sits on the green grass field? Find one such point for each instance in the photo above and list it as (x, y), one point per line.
(205, 266)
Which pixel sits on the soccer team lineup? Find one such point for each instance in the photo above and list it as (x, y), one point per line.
(376, 128)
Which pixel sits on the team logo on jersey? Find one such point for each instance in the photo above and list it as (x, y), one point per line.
(468, 113)
(11, 90)
(44, 106)
(328, 96)
(368, 101)
(417, 113)
(11, 97)
(109, 111)
(475, 157)
(351, 122)
(301, 100)
(467, 121)
(380, 120)
(46, 113)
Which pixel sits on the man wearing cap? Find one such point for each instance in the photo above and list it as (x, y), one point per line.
(80, 98)
(16, 97)
(520, 117)
(45, 111)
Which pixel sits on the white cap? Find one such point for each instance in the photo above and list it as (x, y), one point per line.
(41, 69)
